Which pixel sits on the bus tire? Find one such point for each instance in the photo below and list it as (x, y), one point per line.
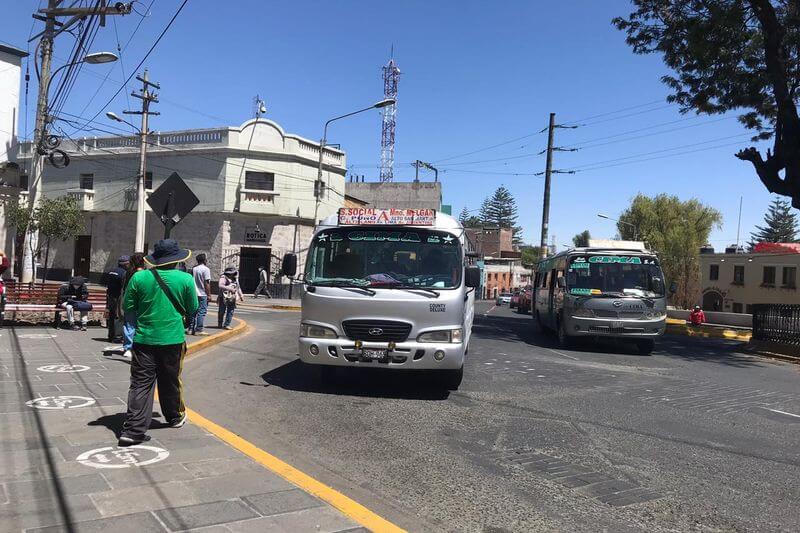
(451, 379)
(645, 346)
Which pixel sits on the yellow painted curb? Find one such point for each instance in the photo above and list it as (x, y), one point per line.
(730, 334)
(346, 505)
(271, 306)
(216, 338)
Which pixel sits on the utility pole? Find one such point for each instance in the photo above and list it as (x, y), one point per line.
(146, 97)
(49, 16)
(547, 174)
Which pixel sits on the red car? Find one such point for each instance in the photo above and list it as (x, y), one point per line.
(524, 302)
(514, 300)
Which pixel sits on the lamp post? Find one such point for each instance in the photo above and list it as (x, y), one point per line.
(318, 184)
(635, 230)
(37, 157)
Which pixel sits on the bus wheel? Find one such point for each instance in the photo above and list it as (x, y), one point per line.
(451, 379)
(645, 346)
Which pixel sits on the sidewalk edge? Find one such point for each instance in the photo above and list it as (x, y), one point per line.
(216, 338)
(344, 504)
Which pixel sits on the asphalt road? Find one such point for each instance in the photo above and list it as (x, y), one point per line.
(697, 436)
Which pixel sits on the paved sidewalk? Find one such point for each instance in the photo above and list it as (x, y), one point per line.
(59, 463)
(263, 302)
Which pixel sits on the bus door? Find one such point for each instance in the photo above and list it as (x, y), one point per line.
(551, 317)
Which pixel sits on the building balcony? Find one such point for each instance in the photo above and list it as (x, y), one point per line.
(130, 199)
(257, 201)
(83, 197)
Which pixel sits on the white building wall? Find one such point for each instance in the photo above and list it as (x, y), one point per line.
(10, 75)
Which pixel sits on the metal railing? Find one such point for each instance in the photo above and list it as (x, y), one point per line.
(777, 323)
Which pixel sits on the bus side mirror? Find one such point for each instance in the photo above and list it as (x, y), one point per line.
(673, 288)
(472, 277)
(289, 265)
(561, 282)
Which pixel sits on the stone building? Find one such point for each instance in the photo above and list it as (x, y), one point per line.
(255, 184)
(733, 282)
(404, 195)
(491, 241)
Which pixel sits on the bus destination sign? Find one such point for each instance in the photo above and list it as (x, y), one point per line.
(370, 216)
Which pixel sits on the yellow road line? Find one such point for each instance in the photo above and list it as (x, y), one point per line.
(346, 505)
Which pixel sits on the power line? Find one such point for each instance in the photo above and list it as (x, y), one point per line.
(133, 72)
(622, 110)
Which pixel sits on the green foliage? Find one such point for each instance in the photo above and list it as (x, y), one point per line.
(675, 230)
(780, 225)
(500, 210)
(530, 255)
(467, 220)
(732, 55)
(464, 215)
(581, 240)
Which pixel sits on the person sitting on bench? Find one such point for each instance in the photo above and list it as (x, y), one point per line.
(73, 297)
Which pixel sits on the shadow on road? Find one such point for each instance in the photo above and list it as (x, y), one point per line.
(523, 328)
(361, 382)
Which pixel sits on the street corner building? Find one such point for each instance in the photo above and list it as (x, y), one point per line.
(255, 183)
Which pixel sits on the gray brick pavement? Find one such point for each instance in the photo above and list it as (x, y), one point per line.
(58, 461)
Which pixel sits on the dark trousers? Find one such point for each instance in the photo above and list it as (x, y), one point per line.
(225, 313)
(154, 365)
(111, 321)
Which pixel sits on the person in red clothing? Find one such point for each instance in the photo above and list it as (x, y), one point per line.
(697, 317)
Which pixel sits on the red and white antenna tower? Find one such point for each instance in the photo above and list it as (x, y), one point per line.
(391, 75)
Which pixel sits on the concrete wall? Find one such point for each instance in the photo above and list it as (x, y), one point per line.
(741, 320)
(422, 195)
(10, 71)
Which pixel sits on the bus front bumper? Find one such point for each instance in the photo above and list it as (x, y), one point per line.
(408, 355)
(585, 327)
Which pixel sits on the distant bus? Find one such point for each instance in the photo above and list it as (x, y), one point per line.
(602, 292)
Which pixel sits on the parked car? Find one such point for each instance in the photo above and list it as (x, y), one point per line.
(524, 305)
(504, 298)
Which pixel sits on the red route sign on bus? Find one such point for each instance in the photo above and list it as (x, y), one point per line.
(370, 216)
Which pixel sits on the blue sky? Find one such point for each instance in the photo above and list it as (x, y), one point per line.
(474, 75)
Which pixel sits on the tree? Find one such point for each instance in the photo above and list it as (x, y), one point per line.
(732, 55)
(530, 256)
(581, 240)
(463, 216)
(780, 225)
(675, 230)
(467, 220)
(54, 218)
(500, 210)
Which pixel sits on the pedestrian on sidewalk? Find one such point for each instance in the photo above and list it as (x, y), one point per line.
(263, 280)
(115, 279)
(72, 297)
(229, 293)
(697, 316)
(129, 317)
(4, 264)
(163, 298)
(202, 283)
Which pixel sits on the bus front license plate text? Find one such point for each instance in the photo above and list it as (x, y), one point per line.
(374, 354)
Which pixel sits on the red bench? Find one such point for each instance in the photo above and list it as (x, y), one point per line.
(43, 298)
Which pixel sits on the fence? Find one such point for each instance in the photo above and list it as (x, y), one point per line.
(777, 323)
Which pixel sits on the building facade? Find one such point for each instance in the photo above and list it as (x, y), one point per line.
(403, 195)
(733, 282)
(10, 75)
(255, 184)
(504, 276)
(491, 241)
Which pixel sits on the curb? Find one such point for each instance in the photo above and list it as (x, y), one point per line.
(282, 307)
(729, 334)
(206, 342)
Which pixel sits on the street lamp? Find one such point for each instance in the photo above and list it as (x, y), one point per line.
(318, 184)
(635, 232)
(95, 58)
(115, 117)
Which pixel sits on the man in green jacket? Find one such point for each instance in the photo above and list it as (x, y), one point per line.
(160, 298)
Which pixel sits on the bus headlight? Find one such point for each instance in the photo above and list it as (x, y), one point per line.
(442, 335)
(313, 331)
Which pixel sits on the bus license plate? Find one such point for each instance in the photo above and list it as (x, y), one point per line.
(374, 354)
(616, 324)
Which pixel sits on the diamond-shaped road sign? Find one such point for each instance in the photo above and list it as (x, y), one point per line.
(172, 201)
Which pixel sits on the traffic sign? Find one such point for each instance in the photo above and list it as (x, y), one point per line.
(172, 201)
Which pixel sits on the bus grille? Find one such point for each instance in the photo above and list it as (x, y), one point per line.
(368, 330)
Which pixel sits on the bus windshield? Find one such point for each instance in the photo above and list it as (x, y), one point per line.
(613, 275)
(385, 258)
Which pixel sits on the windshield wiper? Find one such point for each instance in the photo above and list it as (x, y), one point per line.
(400, 286)
(344, 284)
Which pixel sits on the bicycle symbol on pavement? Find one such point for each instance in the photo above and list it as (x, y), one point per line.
(60, 402)
(63, 368)
(116, 457)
